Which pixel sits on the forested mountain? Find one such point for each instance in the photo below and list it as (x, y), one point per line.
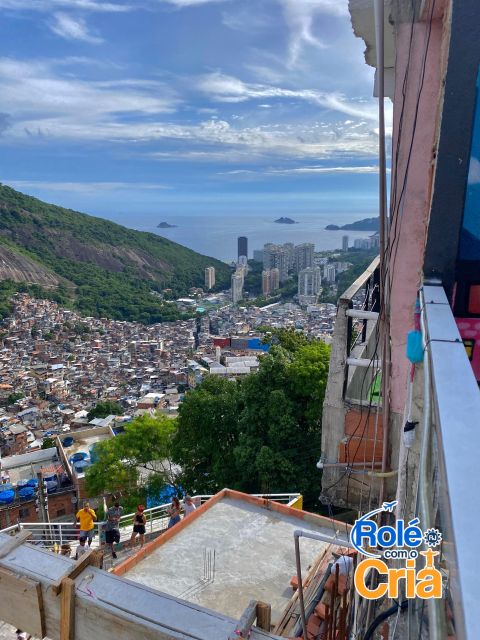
(96, 266)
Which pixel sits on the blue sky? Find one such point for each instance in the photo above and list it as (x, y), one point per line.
(137, 105)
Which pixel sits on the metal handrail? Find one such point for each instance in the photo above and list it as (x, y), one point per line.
(451, 408)
(51, 533)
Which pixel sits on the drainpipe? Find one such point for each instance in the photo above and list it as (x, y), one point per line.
(297, 534)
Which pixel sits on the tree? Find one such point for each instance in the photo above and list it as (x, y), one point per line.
(204, 444)
(261, 433)
(48, 443)
(134, 460)
(13, 397)
(104, 409)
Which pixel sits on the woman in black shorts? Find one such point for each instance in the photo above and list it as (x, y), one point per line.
(139, 523)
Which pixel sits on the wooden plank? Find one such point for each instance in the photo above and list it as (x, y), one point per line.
(67, 610)
(242, 630)
(22, 594)
(264, 616)
(76, 569)
(291, 611)
(13, 542)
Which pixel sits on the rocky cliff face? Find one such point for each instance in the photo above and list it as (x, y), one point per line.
(14, 266)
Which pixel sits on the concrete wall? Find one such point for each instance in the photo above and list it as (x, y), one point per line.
(414, 172)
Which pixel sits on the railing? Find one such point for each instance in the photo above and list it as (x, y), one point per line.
(56, 534)
(449, 473)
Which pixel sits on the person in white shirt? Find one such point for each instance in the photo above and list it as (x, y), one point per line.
(188, 506)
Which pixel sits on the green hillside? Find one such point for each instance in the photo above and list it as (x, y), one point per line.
(95, 266)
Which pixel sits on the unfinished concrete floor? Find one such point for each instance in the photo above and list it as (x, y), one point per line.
(254, 558)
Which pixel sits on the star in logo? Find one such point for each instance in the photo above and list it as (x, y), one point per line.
(432, 537)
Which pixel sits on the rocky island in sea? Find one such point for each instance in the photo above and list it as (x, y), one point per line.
(284, 220)
(367, 224)
(165, 225)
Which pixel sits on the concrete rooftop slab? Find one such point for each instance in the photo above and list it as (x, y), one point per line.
(254, 556)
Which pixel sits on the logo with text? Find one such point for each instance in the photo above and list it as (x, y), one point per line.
(399, 542)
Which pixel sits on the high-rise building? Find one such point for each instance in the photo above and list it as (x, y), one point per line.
(277, 257)
(304, 256)
(266, 282)
(258, 255)
(242, 246)
(274, 279)
(237, 287)
(344, 243)
(309, 281)
(329, 273)
(209, 277)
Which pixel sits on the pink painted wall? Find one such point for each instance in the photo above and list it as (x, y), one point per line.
(408, 246)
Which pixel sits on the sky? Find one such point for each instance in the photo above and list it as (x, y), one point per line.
(187, 106)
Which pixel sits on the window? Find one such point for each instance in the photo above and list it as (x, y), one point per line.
(60, 513)
(24, 513)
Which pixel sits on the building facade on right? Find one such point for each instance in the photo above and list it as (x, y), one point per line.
(401, 412)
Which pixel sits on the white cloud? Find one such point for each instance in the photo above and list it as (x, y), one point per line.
(84, 187)
(190, 3)
(35, 91)
(70, 28)
(299, 16)
(52, 5)
(305, 170)
(474, 171)
(224, 88)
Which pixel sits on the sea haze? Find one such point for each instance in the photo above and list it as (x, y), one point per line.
(216, 235)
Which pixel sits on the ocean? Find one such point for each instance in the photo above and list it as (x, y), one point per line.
(216, 235)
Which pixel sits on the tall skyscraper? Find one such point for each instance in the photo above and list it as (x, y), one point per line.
(237, 287)
(209, 277)
(344, 243)
(274, 279)
(258, 255)
(266, 282)
(309, 285)
(304, 256)
(242, 246)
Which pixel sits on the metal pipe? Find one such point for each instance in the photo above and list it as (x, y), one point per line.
(297, 534)
(363, 362)
(361, 314)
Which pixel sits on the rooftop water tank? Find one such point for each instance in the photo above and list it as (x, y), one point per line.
(22, 483)
(51, 485)
(8, 486)
(26, 492)
(67, 442)
(33, 482)
(80, 455)
(7, 497)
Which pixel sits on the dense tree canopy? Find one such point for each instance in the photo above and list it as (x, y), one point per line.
(261, 433)
(104, 409)
(134, 461)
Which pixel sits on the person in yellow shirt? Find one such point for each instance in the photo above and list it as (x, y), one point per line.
(87, 517)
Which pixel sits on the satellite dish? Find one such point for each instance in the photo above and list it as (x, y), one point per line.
(74, 499)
